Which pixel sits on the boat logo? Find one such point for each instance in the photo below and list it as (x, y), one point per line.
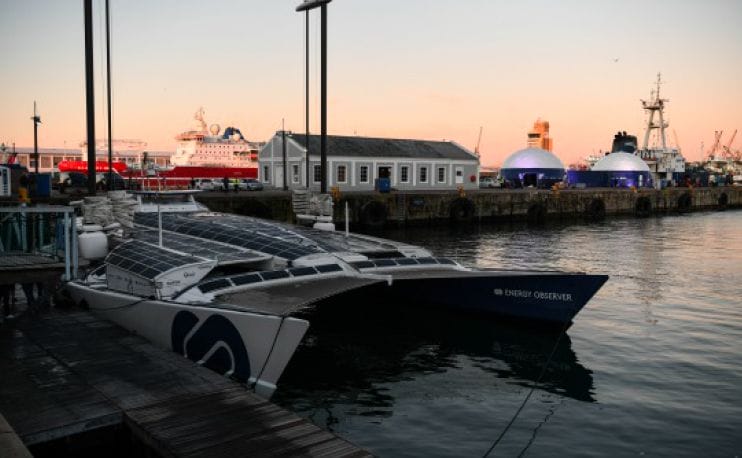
(213, 342)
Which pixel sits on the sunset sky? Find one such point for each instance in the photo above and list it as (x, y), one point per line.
(429, 69)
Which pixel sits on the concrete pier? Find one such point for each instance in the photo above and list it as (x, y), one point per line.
(375, 210)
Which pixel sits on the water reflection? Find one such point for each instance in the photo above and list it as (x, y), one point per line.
(351, 358)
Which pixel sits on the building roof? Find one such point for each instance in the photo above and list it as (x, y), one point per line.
(532, 158)
(621, 162)
(338, 145)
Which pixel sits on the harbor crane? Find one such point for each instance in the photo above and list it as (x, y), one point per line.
(727, 149)
(717, 139)
(677, 143)
(479, 141)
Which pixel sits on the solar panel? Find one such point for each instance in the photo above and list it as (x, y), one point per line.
(327, 268)
(214, 285)
(246, 279)
(301, 271)
(242, 232)
(198, 246)
(274, 274)
(147, 260)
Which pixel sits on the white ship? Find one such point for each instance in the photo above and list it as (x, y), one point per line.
(212, 148)
(662, 160)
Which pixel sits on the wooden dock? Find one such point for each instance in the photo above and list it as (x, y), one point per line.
(67, 373)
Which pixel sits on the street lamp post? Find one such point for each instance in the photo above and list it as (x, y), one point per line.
(306, 6)
(36, 121)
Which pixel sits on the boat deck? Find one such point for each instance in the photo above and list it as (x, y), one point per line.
(66, 373)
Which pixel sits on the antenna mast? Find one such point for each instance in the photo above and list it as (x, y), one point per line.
(656, 104)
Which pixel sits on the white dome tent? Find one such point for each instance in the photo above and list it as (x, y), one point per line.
(532, 167)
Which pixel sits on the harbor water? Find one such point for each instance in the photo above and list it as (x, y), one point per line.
(651, 367)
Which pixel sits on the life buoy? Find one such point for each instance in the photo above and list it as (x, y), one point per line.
(723, 201)
(536, 213)
(643, 207)
(373, 214)
(595, 210)
(685, 201)
(462, 210)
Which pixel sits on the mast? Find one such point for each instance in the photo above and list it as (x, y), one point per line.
(108, 87)
(656, 104)
(90, 94)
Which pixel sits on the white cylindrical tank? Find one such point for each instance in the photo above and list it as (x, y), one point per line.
(93, 242)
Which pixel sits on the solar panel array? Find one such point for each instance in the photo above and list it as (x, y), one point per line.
(374, 263)
(250, 233)
(146, 260)
(257, 277)
(198, 246)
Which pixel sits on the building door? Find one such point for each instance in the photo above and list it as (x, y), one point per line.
(278, 175)
(385, 171)
(459, 175)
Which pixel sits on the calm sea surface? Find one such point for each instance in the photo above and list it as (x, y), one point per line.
(652, 366)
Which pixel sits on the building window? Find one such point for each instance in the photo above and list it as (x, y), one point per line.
(317, 173)
(341, 174)
(266, 173)
(441, 174)
(404, 174)
(423, 174)
(295, 173)
(364, 174)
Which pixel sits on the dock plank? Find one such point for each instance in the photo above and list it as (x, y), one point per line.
(70, 372)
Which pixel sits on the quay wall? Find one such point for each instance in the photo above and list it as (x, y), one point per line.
(376, 210)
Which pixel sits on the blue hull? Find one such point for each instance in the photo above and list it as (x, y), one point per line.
(551, 298)
(548, 299)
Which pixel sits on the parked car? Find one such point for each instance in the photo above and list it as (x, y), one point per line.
(488, 182)
(251, 184)
(209, 184)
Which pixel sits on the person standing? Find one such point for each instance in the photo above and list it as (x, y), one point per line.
(23, 189)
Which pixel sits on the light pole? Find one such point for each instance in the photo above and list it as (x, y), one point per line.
(36, 121)
(306, 6)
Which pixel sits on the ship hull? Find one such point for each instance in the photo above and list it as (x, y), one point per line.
(252, 348)
(552, 299)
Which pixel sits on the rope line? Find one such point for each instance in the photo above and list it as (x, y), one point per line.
(528, 396)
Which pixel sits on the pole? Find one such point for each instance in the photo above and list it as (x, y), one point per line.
(36, 120)
(90, 94)
(108, 86)
(306, 92)
(323, 96)
(283, 153)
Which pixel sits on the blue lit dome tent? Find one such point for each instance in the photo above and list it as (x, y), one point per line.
(532, 167)
(623, 170)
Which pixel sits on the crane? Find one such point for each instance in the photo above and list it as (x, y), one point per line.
(479, 140)
(717, 139)
(677, 143)
(727, 149)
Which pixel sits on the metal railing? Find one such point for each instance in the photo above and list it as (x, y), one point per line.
(47, 231)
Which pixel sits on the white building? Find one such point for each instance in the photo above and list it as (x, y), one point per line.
(355, 163)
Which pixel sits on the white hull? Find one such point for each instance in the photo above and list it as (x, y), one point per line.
(251, 347)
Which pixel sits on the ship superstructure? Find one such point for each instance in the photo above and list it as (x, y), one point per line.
(212, 148)
(662, 160)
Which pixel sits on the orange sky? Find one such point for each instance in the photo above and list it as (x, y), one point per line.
(412, 69)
